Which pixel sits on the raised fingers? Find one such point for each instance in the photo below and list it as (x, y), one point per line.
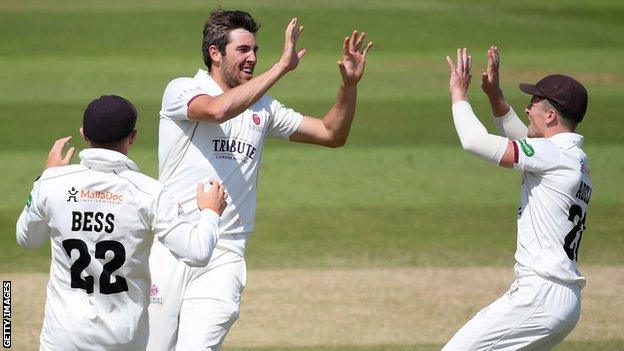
(70, 154)
(345, 46)
(459, 62)
(58, 146)
(352, 41)
(451, 64)
(368, 46)
(290, 28)
(358, 42)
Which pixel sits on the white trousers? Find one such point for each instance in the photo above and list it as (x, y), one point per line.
(193, 308)
(535, 314)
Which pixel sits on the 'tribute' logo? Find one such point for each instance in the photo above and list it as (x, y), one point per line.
(233, 149)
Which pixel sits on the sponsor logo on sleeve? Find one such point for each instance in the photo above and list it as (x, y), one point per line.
(526, 148)
(29, 200)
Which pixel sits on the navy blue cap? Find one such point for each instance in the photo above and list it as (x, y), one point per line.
(108, 119)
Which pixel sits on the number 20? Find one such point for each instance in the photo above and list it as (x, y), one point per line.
(83, 260)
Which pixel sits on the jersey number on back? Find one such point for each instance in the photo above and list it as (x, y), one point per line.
(573, 239)
(83, 260)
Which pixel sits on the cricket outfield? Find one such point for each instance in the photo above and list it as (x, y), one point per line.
(389, 243)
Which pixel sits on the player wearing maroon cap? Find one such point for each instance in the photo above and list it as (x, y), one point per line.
(544, 303)
(101, 217)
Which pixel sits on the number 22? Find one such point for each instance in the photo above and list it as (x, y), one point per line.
(83, 260)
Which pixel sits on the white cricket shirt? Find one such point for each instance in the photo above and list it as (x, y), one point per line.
(554, 197)
(190, 152)
(101, 216)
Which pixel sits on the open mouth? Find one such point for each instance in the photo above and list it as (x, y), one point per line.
(248, 70)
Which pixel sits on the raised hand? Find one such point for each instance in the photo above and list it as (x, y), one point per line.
(290, 56)
(490, 78)
(460, 75)
(55, 156)
(214, 198)
(353, 58)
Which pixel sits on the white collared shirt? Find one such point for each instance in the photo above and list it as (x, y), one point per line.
(554, 197)
(190, 152)
(101, 217)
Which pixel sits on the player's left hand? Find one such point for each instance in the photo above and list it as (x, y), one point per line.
(353, 58)
(55, 156)
(460, 75)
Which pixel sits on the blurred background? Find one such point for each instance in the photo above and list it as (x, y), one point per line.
(399, 197)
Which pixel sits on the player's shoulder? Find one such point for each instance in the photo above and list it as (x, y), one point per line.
(530, 146)
(56, 173)
(141, 182)
(182, 83)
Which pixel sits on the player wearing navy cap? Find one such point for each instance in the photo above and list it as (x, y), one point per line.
(101, 217)
(544, 303)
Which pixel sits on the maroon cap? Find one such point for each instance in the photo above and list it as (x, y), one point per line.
(108, 119)
(565, 93)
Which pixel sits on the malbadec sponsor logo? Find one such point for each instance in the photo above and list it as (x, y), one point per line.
(94, 195)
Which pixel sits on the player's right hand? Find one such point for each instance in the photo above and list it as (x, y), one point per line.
(490, 78)
(213, 199)
(290, 56)
(460, 75)
(55, 156)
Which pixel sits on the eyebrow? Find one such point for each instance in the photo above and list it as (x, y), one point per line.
(246, 47)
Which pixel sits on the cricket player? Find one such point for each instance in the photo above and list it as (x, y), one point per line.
(101, 216)
(214, 125)
(544, 302)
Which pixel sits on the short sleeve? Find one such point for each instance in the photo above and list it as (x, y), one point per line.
(178, 95)
(284, 121)
(536, 154)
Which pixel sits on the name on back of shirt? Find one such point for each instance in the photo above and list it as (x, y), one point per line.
(92, 222)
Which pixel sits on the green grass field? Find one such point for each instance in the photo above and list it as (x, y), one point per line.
(401, 193)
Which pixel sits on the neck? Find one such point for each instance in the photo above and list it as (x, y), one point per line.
(218, 78)
(119, 148)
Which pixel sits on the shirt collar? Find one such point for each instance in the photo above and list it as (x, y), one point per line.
(567, 140)
(208, 83)
(106, 160)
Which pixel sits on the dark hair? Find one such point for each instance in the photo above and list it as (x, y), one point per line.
(218, 27)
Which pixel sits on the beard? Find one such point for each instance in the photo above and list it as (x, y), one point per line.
(233, 76)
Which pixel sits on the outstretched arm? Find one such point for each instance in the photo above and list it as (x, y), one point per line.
(505, 118)
(473, 136)
(333, 129)
(236, 100)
